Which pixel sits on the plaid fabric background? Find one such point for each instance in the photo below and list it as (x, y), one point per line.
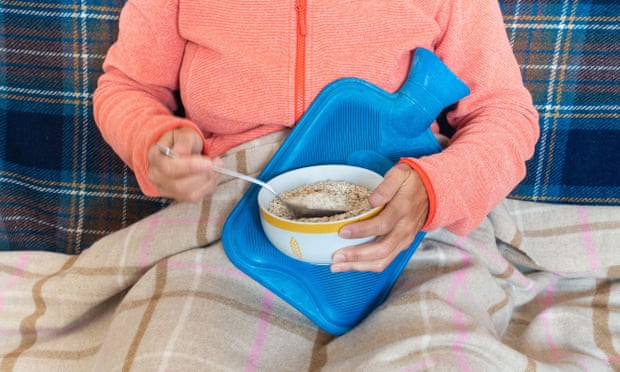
(570, 56)
(61, 186)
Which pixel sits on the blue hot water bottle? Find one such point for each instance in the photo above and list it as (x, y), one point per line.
(350, 122)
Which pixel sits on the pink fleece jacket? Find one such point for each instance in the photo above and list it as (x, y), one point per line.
(245, 69)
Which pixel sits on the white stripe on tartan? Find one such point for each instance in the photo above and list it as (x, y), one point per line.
(55, 226)
(125, 194)
(568, 108)
(68, 189)
(59, 13)
(541, 168)
(38, 53)
(572, 26)
(513, 26)
(571, 67)
(81, 172)
(45, 93)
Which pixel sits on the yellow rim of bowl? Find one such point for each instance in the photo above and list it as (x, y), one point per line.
(315, 227)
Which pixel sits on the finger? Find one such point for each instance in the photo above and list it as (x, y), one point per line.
(374, 256)
(167, 139)
(192, 188)
(382, 196)
(181, 167)
(183, 178)
(390, 185)
(379, 248)
(379, 225)
(186, 141)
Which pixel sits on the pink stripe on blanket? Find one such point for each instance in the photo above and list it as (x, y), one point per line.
(149, 236)
(460, 281)
(21, 266)
(156, 220)
(586, 234)
(548, 326)
(548, 302)
(263, 324)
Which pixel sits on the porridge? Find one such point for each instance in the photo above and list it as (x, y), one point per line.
(325, 194)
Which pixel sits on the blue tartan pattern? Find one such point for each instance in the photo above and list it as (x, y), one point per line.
(61, 186)
(569, 52)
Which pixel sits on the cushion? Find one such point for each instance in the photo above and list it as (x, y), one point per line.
(61, 186)
(570, 59)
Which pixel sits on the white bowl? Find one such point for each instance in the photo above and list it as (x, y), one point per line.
(313, 242)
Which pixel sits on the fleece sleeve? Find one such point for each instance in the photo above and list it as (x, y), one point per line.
(135, 97)
(496, 125)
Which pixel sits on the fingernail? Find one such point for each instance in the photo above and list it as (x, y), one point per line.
(218, 162)
(336, 268)
(339, 258)
(345, 233)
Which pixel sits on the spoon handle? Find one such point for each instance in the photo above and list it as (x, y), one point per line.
(167, 151)
(232, 173)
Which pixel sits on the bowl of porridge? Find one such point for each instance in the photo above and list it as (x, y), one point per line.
(315, 239)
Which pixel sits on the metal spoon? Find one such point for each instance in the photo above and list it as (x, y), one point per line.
(298, 210)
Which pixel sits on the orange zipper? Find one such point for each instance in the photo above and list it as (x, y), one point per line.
(300, 59)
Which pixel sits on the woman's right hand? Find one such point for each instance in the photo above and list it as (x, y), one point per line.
(187, 175)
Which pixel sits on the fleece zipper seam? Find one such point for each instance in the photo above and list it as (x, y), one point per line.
(300, 59)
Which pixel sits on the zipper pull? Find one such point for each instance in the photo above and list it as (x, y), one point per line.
(300, 6)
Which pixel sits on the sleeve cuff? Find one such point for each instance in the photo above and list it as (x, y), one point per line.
(432, 200)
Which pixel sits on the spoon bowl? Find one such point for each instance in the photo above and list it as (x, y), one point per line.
(297, 209)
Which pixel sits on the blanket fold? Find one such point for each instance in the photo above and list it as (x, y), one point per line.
(161, 295)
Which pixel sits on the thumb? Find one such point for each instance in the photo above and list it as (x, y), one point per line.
(391, 184)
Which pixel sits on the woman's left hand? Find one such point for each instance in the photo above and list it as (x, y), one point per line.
(404, 196)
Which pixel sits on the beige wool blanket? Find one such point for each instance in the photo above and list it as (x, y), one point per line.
(535, 288)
